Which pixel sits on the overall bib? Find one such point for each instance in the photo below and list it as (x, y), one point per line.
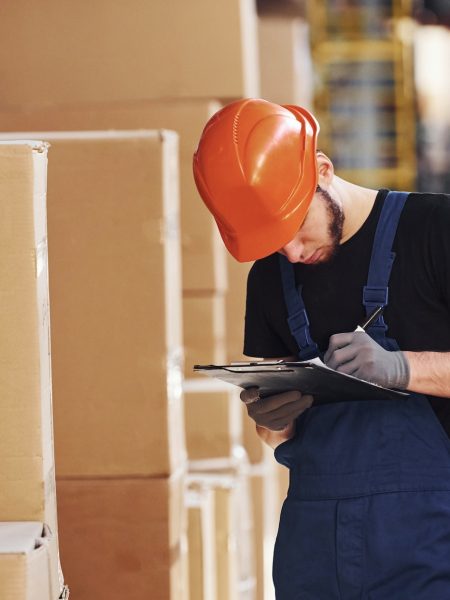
(367, 514)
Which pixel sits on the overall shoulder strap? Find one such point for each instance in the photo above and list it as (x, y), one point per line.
(297, 317)
(376, 292)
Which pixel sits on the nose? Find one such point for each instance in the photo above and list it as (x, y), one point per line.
(293, 251)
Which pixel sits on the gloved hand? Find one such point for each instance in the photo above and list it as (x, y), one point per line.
(358, 354)
(275, 412)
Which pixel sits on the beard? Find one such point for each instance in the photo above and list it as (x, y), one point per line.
(336, 222)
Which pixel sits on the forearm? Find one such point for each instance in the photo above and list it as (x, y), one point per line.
(429, 373)
(275, 438)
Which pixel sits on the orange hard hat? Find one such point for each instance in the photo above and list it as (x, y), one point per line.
(256, 170)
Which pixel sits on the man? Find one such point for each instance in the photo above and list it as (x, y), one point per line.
(368, 509)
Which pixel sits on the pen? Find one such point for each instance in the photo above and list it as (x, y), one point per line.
(370, 319)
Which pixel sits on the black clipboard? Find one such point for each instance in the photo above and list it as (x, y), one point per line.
(310, 377)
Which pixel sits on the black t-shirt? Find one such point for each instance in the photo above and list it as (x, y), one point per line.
(418, 312)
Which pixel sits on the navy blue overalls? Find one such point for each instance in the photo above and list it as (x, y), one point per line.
(367, 515)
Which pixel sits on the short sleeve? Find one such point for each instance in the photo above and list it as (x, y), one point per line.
(261, 339)
(439, 239)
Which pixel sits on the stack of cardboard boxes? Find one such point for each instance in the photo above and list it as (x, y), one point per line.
(28, 519)
(116, 337)
(139, 278)
(202, 544)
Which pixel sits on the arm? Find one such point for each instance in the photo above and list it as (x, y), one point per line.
(275, 416)
(358, 354)
(429, 373)
(430, 370)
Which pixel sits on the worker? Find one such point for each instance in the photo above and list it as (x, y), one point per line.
(367, 513)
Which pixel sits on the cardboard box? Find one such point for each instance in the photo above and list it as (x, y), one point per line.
(204, 325)
(266, 515)
(245, 526)
(26, 550)
(124, 538)
(227, 541)
(203, 252)
(257, 485)
(26, 430)
(213, 421)
(114, 256)
(27, 475)
(202, 544)
(234, 529)
(70, 53)
(287, 75)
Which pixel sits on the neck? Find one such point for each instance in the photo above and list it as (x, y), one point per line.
(357, 202)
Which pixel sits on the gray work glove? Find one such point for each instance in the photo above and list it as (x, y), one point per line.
(358, 354)
(275, 412)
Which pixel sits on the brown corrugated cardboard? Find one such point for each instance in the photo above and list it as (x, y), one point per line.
(123, 538)
(61, 52)
(204, 328)
(266, 514)
(115, 287)
(234, 522)
(26, 436)
(257, 485)
(203, 252)
(285, 61)
(213, 421)
(202, 544)
(227, 541)
(26, 551)
(27, 476)
(245, 527)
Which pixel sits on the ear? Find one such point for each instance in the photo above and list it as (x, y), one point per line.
(325, 168)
